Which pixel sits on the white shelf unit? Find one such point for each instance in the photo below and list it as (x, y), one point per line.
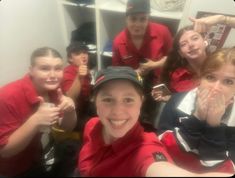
(109, 16)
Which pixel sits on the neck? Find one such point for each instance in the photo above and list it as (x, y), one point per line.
(108, 139)
(197, 63)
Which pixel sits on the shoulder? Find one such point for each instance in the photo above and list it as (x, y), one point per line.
(13, 89)
(92, 123)
(70, 68)
(156, 27)
(121, 37)
(151, 150)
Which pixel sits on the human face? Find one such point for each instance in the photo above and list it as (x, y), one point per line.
(192, 47)
(47, 73)
(118, 106)
(79, 59)
(221, 81)
(137, 24)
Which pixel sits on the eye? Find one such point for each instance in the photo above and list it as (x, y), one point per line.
(59, 68)
(182, 45)
(228, 82)
(44, 68)
(129, 100)
(143, 19)
(107, 100)
(194, 38)
(210, 78)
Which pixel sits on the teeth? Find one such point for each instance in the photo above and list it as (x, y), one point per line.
(117, 122)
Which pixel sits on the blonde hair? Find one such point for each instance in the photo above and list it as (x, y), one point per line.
(217, 59)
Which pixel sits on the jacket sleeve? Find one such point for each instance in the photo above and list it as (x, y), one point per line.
(169, 116)
(213, 144)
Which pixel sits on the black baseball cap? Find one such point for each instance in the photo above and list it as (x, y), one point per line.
(76, 47)
(137, 6)
(117, 72)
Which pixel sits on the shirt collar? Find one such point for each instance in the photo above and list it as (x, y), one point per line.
(187, 106)
(29, 89)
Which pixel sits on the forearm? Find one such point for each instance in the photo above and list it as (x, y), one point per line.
(21, 138)
(159, 63)
(74, 90)
(230, 21)
(166, 169)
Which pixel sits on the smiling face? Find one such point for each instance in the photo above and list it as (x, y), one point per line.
(192, 47)
(118, 106)
(137, 24)
(46, 73)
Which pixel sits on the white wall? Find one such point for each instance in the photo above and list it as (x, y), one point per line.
(215, 6)
(24, 26)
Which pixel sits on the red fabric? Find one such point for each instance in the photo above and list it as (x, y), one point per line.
(182, 80)
(70, 73)
(18, 101)
(156, 44)
(128, 156)
(191, 161)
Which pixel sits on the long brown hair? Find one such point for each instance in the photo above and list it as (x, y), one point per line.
(174, 59)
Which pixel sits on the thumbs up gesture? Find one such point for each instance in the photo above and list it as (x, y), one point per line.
(47, 113)
(66, 104)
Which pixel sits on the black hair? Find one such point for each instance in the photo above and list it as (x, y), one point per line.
(76, 48)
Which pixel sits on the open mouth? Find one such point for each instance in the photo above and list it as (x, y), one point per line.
(117, 123)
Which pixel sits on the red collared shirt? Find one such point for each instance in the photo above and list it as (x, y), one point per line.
(70, 73)
(157, 43)
(127, 156)
(182, 80)
(18, 101)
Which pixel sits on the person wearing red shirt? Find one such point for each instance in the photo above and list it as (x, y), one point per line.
(115, 144)
(24, 114)
(77, 80)
(181, 69)
(142, 45)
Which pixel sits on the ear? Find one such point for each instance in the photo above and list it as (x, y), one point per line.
(206, 43)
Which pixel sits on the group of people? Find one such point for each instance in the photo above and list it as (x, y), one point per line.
(195, 136)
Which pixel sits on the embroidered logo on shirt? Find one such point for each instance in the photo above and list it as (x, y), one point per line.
(158, 156)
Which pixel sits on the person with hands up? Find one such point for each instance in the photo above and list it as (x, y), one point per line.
(198, 127)
(24, 112)
(77, 80)
(203, 24)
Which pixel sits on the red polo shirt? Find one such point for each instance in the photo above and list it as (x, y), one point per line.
(127, 156)
(182, 80)
(18, 101)
(70, 73)
(157, 43)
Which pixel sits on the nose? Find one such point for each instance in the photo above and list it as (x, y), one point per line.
(118, 109)
(217, 85)
(52, 73)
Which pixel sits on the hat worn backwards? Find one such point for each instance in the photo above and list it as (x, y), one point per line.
(137, 6)
(117, 72)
